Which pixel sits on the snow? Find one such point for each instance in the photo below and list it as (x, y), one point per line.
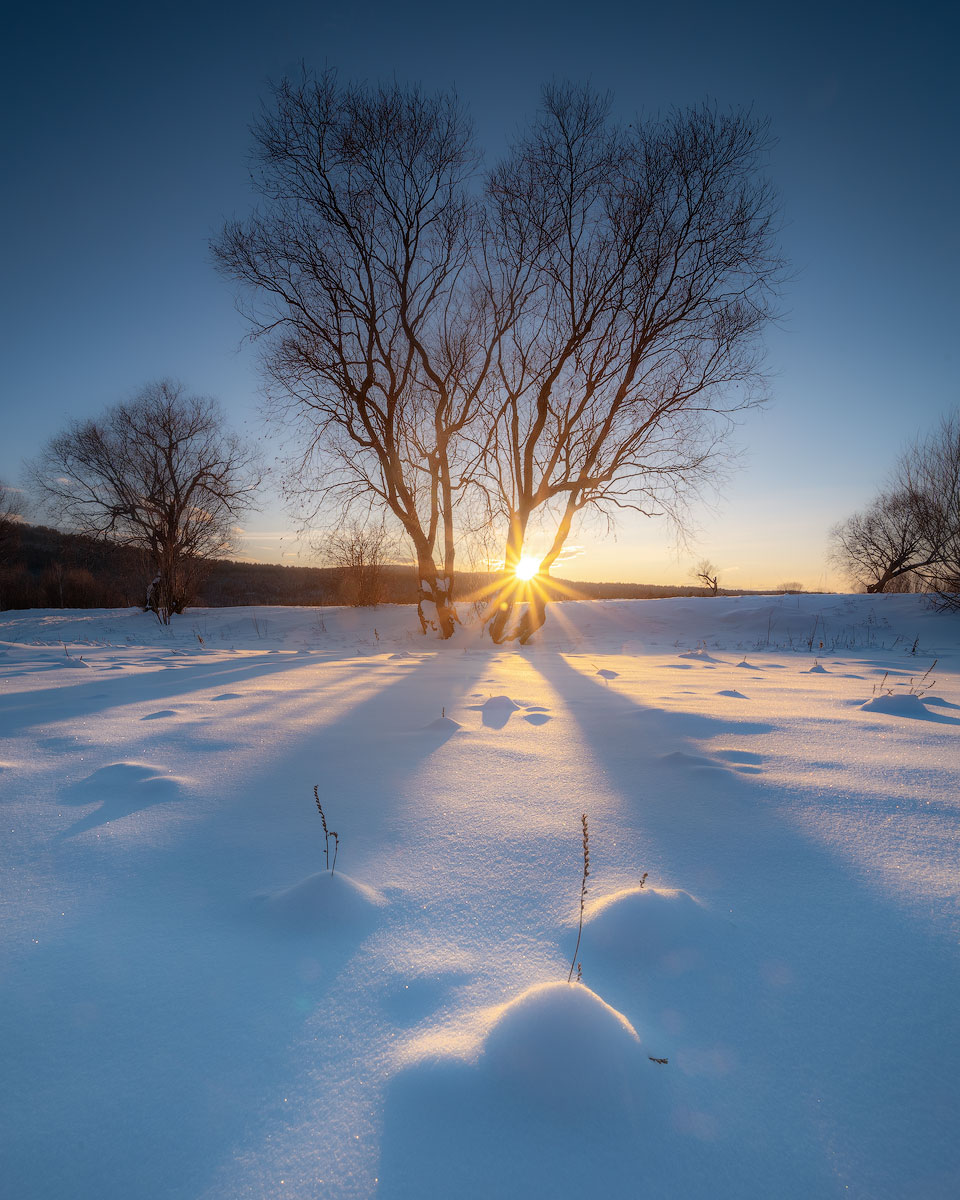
(192, 1006)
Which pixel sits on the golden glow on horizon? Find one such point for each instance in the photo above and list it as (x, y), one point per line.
(526, 568)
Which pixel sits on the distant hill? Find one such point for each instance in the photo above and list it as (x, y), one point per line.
(50, 569)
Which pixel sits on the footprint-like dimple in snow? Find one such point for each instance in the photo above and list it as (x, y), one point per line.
(740, 756)
(733, 694)
(414, 998)
(537, 718)
(228, 696)
(680, 758)
(163, 712)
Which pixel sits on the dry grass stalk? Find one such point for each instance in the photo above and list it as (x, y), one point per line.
(327, 835)
(583, 897)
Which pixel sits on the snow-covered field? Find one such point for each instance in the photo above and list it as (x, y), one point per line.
(191, 1006)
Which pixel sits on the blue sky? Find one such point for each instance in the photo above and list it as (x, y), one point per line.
(126, 144)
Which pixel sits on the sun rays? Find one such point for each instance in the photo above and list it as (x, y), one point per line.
(522, 587)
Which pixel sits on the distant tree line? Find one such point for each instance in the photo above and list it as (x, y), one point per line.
(908, 538)
(42, 567)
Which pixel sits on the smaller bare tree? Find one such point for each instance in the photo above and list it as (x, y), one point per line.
(11, 510)
(159, 473)
(360, 551)
(931, 472)
(883, 542)
(707, 574)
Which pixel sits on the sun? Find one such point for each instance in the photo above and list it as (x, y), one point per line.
(526, 568)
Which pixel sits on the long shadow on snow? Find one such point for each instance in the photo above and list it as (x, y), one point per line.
(815, 1006)
(451, 1129)
(850, 995)
(146, 1046)
(166, 1024)
(21, 712)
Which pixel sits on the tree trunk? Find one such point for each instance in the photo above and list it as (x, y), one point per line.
(500, 611)
(436, 591)
(505, 625)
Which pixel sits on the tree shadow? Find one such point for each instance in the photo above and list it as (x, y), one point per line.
(169, 1012)
(825, 978)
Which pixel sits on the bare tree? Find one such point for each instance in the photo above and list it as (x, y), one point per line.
(638, 264)
(708, 575)
(361, 552)
(909, 535)
(159, 473)
(931, 471)
(11, 510)
(360, 272)
(567, 345)
(883, 542)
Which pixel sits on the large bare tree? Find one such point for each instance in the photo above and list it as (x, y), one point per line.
(638, 265)
(359, 273)
(159, 473)
(559, 342)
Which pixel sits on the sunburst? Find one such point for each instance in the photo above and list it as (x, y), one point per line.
(527, 568)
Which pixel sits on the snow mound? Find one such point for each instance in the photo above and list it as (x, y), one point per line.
(905, 705)
(664, 925)
(700, 655)
(559, 1042)
(816, 669)
(120, 790)
(496, 711)
(445, 725)
(604, 673)
(325, 901)
(732, 693)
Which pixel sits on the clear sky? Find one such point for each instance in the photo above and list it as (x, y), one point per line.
(125, 144)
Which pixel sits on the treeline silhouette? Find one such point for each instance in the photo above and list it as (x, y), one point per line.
(46, 568)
